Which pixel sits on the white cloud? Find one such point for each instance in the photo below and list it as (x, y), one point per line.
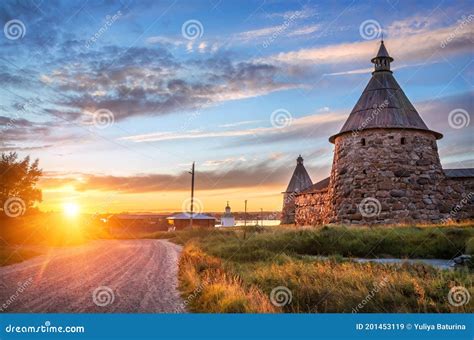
(304, 13)
(407, 48)
(304, 30)
(298, 123)
(245, 122)
(202, 47)
(163, 40)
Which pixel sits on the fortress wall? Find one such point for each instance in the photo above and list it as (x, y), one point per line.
(288, 210)
(387, 176)
(312, 208)
(457, 199)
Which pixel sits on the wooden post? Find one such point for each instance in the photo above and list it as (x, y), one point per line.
(192, 197)
(245, 214)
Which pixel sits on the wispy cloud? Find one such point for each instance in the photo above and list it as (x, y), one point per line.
(245, 122)
(297, 126)
(265, 173)
(407, 47)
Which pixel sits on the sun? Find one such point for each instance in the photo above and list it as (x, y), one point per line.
(71, 209)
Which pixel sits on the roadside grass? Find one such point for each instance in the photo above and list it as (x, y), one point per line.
(235, 270)
(10, 255)
(219, 291)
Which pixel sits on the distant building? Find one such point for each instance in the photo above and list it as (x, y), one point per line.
(182, 221)
(227, 220)
(136, 223)
(299, 182)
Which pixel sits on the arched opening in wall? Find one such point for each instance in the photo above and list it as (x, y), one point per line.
(362, 141)
(403, 141)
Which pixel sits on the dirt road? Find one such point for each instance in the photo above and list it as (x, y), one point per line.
(121, 276)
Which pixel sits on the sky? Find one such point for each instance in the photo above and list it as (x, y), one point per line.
(118, 98)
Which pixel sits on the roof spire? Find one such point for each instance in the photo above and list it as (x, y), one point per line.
(299, 160)
(382, 60)
(300, 179)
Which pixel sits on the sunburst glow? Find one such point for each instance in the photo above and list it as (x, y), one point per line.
(71, 209)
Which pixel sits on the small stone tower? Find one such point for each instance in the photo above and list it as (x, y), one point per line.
(299, 182)
(386, 165)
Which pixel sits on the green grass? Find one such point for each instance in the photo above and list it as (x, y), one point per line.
(234, 268)
(405, 242)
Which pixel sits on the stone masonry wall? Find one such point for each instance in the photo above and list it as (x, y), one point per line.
(312, 208)
(288, 211)
(457, 199)
(386, 176)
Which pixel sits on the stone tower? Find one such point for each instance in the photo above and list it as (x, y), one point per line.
(299, 182)
(386, 165)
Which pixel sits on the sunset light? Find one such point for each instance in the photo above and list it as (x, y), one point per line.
(71, 209)
(255, 169)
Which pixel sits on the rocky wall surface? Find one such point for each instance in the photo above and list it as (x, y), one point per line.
(387, 176)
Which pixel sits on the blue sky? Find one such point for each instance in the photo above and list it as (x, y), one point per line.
(117, 98)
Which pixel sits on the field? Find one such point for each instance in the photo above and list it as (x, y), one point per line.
(236, 271)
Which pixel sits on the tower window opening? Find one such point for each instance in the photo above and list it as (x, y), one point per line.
(403, 141)
(362, 141)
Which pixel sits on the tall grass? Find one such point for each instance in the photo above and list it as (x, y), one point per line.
(219, 291)
(414, 242)
(238, 270)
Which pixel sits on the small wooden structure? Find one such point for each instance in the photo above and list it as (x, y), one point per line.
(183, 220)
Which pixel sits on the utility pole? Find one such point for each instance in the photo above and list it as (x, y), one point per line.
(192, 197)
(245, 214)
(261, 215)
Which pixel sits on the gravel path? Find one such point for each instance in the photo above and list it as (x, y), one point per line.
(118, 276)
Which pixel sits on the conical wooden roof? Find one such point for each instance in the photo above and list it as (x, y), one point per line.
(383, 104)
(300, 179)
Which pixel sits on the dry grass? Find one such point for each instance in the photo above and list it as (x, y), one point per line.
(235, 271)
(218, 291)
(339, 287)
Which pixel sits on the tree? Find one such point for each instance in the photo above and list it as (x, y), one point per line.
(18, 180)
